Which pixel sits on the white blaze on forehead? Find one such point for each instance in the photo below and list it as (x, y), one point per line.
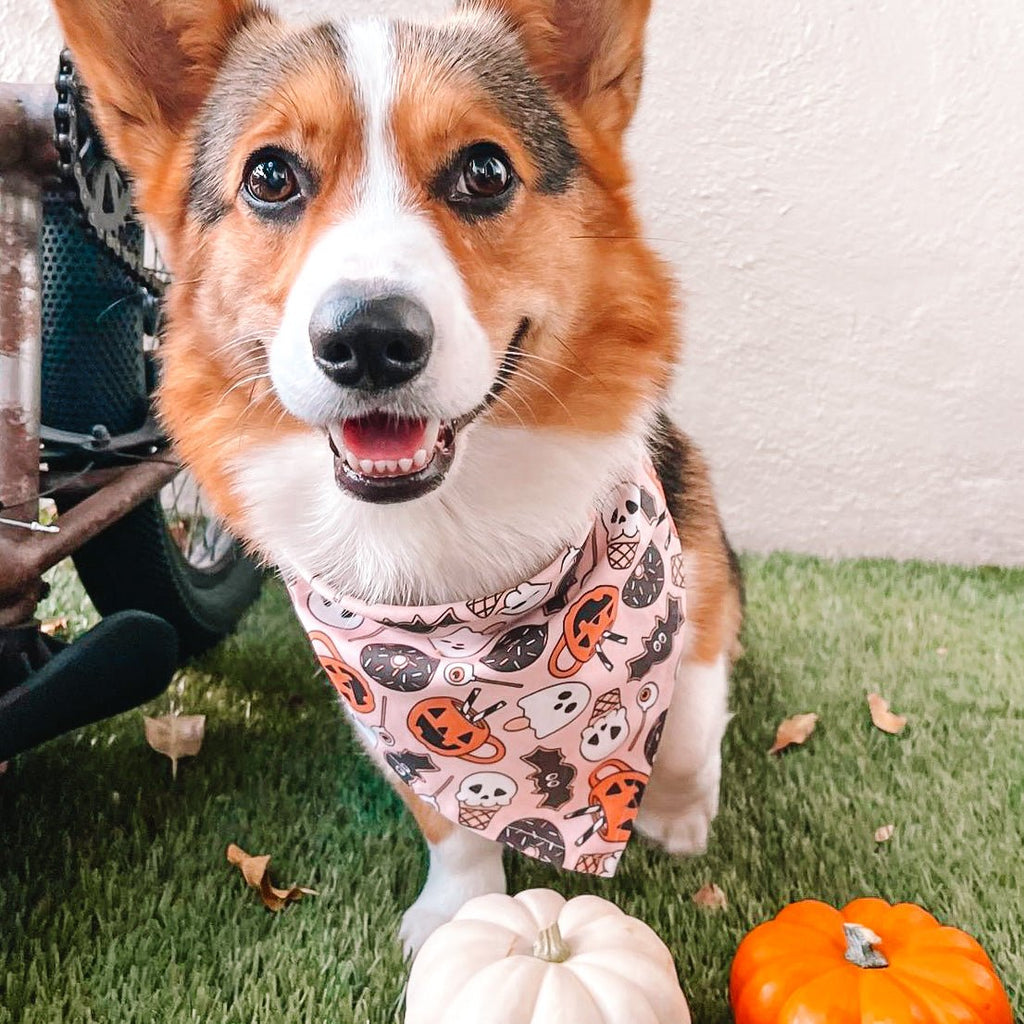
(386, 244)
(371, 62)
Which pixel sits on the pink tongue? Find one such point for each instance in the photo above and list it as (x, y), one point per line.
(379, 437)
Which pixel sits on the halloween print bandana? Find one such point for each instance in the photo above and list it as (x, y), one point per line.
(531, 716)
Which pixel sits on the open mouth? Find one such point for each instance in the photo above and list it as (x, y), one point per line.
(384, 458)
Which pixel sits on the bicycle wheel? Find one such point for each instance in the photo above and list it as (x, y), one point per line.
(155, 561)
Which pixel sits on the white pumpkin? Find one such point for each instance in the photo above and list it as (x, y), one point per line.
(536, 959)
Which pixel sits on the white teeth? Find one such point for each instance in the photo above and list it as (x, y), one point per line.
(390, 467)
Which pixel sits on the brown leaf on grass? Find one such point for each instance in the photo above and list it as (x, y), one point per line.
(884, 833)
(256, 872)
(54, 627)
(883, 718)
(793, 732)
(176, 736)
(711, 897)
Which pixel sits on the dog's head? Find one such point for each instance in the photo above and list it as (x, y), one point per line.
(385, 234)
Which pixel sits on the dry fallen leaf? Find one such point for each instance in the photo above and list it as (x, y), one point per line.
(176, 736)
(884, 833)
(256, 871)
(711, 897)
(883, 718)
(53, 627)
(793, 731)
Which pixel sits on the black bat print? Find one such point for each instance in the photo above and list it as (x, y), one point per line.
(418, 624)
(553, 777)
(658, 645)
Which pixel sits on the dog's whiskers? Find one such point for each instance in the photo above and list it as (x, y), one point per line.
(254, 380)
(526, 375)
(552, 362)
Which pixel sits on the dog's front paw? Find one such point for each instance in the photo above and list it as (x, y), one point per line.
(462, 868)
(682, 833)
(434, 909)
(418, 924)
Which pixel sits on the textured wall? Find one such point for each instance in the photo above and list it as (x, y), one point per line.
(839, 188)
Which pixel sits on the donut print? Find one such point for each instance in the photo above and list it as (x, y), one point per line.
(398, 667)
(646, 581)
(536, 837)
(517, 649)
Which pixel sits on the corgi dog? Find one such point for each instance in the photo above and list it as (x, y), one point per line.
(415, 340)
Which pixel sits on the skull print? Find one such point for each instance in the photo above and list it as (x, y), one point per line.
(482, 795)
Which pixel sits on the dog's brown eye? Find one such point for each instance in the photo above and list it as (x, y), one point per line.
(486, 173)
(269, 179)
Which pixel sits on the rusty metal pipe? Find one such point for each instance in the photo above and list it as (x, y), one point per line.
(20, 344)
(24, 558)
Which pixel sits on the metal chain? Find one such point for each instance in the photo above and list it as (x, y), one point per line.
(95, 183)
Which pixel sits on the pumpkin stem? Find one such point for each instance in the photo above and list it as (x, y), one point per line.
(550, 946)
(860, 947)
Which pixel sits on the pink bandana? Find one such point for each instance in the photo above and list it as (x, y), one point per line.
(531, 716)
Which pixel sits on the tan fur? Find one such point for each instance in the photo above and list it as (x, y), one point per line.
(714, 612)
(606, 336)
(602, 307)
(149, 65)
(434, 826)
(589, 52)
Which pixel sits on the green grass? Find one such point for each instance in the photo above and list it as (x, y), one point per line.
(117, 905)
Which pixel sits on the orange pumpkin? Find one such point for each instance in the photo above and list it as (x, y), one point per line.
(871, 963)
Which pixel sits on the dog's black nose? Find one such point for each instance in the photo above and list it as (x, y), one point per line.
(370, 341)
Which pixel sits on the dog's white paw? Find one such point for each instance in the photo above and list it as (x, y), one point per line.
(418, 924)
(462, 867)
(682, 833)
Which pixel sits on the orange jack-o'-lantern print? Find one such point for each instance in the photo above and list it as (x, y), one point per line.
(454, 728)
(350, 685)
(587, 625)
(615, 794)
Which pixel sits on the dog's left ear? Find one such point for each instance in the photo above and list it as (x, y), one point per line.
(591, 52)
(149, 65)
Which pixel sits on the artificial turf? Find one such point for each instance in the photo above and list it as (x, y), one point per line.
(117, 904)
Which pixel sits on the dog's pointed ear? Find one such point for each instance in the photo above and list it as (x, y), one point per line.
(148, 66)
(591, 52)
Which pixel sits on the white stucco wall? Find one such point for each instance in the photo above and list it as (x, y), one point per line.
(841, 188)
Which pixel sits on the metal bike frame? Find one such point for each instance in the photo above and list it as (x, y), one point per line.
(27, 159)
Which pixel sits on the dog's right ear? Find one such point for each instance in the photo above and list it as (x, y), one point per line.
(148, 66)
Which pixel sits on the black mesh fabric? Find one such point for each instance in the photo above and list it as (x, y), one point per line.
(93, 366)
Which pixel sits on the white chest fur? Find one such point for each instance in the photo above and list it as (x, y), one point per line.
(514, 497)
